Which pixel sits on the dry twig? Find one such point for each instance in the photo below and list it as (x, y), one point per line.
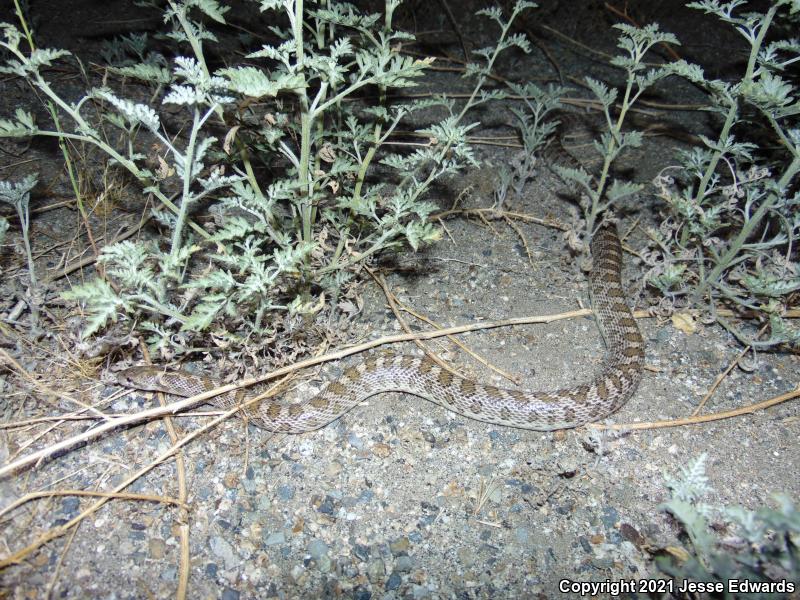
(744, 410)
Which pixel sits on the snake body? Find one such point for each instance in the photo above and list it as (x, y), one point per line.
(421, 376)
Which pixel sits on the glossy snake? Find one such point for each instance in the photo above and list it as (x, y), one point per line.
(388, 372)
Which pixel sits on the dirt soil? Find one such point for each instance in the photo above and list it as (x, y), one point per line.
(398, 498)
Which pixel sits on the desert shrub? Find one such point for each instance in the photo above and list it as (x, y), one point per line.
(758, 547)
(731, 218)
(280, 250)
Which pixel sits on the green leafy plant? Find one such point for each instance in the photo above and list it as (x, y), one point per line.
(18, 195)
(761, 546)
(535, 126)
(732, 222)
(601, 193)
(279, 247)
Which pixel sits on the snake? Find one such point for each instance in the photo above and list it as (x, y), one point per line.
(421, 376)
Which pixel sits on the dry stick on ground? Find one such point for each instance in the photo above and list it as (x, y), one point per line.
(57, 532)
(512, 378)
(744, 410)
(121, 496)
(461, 69)
(484, 492)
(586, 103)
(76, 416)
(497, 214)
(606, 57)
(485, 221)
(724, 374)
(424, 347)
(48, 207)
(393, 304)
(522, 238)
(535, 39)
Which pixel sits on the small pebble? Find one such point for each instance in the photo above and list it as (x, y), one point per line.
(324, 564)
(393, 582)
(327, 506)
(403, 564)
(381, 450)
(522, 535)
(222, 549)
(286, 492)
(333, 468)
(420, 591)
(317, 549)
(229, 594)
(362, 594)
(361, 551)
(609, 517)
(70, 505)
(275, 538)
(297, 573)
(157, 548)
(376, 570)
(400, 545)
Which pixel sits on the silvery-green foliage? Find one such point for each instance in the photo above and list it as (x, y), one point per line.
(732, 226)
(18, 195)
(132, 114)
(761, 546)
(535, 129)
(186, 28)
(23, 125)
(603, 193)
(482, 69)
(102, 304)
(692, 483)
(129, 56)
(273, 251)
(31, 65)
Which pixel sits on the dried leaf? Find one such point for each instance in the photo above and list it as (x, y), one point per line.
(684, 322)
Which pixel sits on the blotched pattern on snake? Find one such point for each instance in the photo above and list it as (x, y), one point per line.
(387, 372)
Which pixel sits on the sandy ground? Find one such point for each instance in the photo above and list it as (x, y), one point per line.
(400, 498)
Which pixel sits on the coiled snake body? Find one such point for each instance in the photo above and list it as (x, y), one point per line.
(388, 372)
